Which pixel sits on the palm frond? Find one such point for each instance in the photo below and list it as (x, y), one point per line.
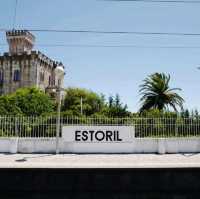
(156, 93)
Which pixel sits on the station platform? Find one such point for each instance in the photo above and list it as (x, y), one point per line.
(74, 161)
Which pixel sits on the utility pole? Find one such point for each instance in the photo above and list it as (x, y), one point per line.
(15, 14)
(81, 106)
(59, 71)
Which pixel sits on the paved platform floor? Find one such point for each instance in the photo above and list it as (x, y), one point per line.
(99, 161)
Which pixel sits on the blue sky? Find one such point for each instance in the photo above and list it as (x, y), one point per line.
(114, 70)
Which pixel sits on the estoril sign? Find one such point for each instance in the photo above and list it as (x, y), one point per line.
(98, 134)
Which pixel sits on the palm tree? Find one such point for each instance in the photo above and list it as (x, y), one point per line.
(156, 93)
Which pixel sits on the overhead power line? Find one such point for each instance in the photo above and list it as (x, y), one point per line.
(113, 46)
(160, 1)
(15, 14)
(111, 32)
(116, 32)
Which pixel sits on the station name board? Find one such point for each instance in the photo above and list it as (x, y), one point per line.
(98, 134)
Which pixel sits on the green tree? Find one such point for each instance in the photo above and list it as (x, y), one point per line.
(156, 113)
(196, 112)
(33, 102)
(156, 93)
(185, 113)
(92, 102)
(8, 106)
(115, 107)
(27, 102)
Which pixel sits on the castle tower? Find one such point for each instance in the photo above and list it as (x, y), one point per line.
(23, 67)
(20, 41)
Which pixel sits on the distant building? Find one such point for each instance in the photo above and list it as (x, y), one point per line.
(23, 67)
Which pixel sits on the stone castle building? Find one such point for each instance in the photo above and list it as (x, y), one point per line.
(23, 67)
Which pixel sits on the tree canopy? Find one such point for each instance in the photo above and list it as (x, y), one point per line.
(115, 107)
(26, 101)
(156, 97)
(93, 104)
(157, 94)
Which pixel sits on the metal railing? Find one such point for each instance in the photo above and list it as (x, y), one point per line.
(45, 127)
(28, 127)
(167, 127)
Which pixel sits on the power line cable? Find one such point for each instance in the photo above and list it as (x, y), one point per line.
(116, 32)
(113, 46)
(159, 1)
(111, 32)
(15, 14)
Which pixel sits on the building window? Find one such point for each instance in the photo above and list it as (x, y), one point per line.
(41, 76)
(16, 75)
(59, 82)
(1, 76)
(50, 82)
(1, 91)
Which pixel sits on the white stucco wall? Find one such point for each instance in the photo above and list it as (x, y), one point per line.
(8, 145)
(122, 141)
(144, 145)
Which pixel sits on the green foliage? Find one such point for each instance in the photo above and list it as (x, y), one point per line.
(8, 106)
(156, 113)
(115, 107)
(156, 93)
(91, 102)
(188, 114)
(26, 101)
(33, 102)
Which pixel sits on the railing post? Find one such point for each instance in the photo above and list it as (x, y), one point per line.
(16, 127)
(17, 133)
(58, 120)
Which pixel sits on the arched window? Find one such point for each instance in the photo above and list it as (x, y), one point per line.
(16, 75)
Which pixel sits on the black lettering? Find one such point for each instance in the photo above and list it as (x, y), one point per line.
(77, 136)
(97, 135)
(109, 135)
(84, 135)
(91, 135)
(115, 136)
(118, 139)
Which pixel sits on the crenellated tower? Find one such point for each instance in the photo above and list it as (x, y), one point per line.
(24, 67)
(20, 41)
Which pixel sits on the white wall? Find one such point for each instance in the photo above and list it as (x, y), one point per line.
(144, 145)
(36, 145)
(8, 145)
